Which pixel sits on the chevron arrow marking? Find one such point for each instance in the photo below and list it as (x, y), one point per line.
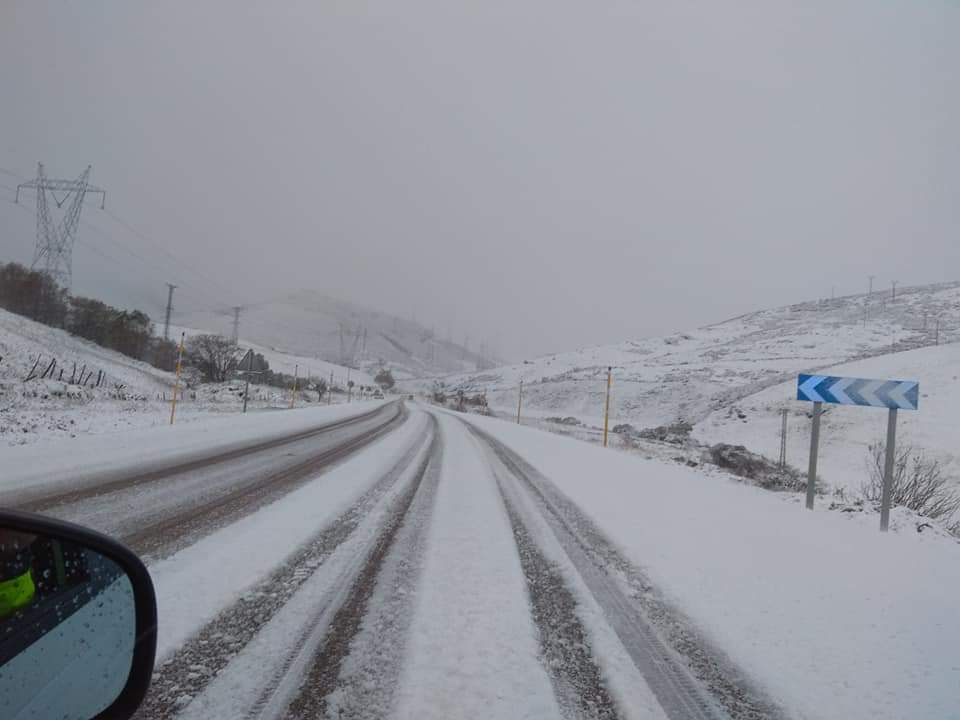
(901, 394)
(806, 388)
(838, 390)
(869, 393)
(905, 395)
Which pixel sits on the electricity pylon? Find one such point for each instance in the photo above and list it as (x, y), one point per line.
(53, 254)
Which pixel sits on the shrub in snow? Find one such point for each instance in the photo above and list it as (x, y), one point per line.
(214, 356)
(569, 420)
(765, 473)
(676, 434)
(385, 379)
(918, 483)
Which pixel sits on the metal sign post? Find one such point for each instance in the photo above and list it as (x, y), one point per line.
(814, 449)
(891, 394)
(606, 409)
(888, 470)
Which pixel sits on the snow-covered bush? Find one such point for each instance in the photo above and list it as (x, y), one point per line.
(918, 482)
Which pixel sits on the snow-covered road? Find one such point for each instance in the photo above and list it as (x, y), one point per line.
(402, 562)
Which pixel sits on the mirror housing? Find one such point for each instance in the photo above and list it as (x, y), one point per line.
(29, 632)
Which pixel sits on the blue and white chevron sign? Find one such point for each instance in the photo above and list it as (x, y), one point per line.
(900, 394)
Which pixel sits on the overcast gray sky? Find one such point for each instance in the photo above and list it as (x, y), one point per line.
(547, 173)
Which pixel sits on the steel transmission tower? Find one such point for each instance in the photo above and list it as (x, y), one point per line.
(54, 251)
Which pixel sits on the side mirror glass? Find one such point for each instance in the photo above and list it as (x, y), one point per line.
(77, 622)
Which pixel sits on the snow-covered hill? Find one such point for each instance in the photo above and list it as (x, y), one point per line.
(23, 341)
(130, 393)
(313, 325)
(59, 404)
(689, 375)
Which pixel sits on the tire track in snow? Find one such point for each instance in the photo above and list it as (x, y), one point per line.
(309, 673)
(673, 672)
(185, 508)
(165, 537)
(189, 670)
(564, 645)
(355, 676)
(472, 647)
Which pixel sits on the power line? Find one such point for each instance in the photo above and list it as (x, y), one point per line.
(130, 251)
(159, 247)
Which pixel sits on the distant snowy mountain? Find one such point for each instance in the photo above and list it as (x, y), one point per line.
(686, 376)
(310, 324)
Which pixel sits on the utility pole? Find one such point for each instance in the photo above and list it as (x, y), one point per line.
(330, 389)
(606, 411)
(53, 253)
(870, 291)
(166, 320)
(893, 295)
(236, 323)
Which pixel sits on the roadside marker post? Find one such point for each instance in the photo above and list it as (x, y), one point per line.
(519, 401)
(606, 411)
(782, 462)
(893, 395)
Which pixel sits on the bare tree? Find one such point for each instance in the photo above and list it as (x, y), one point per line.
(918, 482)
(214, 356)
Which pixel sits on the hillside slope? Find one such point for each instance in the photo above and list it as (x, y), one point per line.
(313, 325)
(130, 393)
(687, 376)
(846, 432)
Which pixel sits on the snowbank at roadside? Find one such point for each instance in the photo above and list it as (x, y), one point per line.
(833, 618)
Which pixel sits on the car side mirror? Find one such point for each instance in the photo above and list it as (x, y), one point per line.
(78, 622)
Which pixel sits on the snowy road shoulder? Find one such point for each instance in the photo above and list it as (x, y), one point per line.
(832, 618)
